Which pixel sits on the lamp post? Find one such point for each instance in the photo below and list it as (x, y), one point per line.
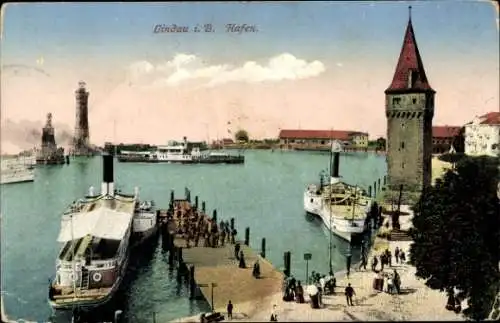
(307, 257)
(348, 256)
(212, 285)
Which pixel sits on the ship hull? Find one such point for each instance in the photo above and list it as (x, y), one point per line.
(349, 230)
(87, 305)
(229, 160)
(140, 238)
(18, 180)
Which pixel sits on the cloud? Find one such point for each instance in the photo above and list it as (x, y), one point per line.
(186, 67)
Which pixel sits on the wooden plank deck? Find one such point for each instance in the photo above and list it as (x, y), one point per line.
(219, 266)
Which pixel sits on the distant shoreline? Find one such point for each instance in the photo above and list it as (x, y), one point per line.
(261, 146)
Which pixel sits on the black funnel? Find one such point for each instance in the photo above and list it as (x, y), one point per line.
(107, 168)
(335, 165)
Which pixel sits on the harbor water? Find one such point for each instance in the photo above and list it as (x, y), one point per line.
(265, 194)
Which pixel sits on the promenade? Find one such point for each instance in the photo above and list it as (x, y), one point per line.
(215, 273)
(416, 302)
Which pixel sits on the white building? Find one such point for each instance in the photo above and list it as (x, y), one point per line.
(482, 135)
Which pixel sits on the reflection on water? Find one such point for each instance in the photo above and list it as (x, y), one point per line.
(265, 194)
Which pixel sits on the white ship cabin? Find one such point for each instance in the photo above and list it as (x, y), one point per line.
(175, 151)
(95, 234)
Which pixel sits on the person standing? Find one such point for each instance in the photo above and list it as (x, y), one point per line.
(349, 293)
(374, 263)
(274, 314)
(348, 263)
(237, 251)
(363, 262)
(396, 255)
(230, 310)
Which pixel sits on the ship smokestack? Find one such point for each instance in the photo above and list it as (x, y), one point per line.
(107, 175)
(335, 165)
(335, 162)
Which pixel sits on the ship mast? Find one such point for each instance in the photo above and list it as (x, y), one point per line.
(354, 200)
(330, 204)
(73, 274)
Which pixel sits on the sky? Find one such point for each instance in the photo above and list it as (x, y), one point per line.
(301, 65)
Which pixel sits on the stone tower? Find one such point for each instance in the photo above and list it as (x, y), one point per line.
(48, 139)
(81, 138)
(409, 108)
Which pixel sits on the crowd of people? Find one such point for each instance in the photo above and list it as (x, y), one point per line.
(196, 227)
(385, 259)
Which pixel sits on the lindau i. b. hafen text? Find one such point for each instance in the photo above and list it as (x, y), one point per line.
(207, 28)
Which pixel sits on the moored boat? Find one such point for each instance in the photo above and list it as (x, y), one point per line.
(343, 208)
(16, 170)
(97, 233)
(181, 153)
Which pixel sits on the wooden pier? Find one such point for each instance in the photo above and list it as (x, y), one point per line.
(213, 272)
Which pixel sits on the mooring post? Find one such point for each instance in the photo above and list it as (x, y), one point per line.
(203, 207)
(192, 284)
(263, 248)
(171, 256)
(379, 184)
(214, 216)
(385, 180)
(247, 236)
(232, 224)
(180, 258)
(172, 197)
(370, 191)
(375, 189)
(196, 202)
(171, 238)
(287, 258)
(188, 196)
(167, 239)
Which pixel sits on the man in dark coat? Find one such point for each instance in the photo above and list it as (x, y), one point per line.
(237, 248)
(229, 310)
(349, 293)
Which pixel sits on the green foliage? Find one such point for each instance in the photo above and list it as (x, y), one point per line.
(241, 135)
(451, 158)
(457, 234)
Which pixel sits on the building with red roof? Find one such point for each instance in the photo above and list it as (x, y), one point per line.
(298, 137)
(482, 135)
(443, 138)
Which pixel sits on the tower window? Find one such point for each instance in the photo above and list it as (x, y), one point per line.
(402, 165)
(412, 77)
(396, 100)
(414, 100)
(402, 145)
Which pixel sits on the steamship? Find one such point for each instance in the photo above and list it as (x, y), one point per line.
(16, 170)
(97, 234)
(181, 153)
(343, 208)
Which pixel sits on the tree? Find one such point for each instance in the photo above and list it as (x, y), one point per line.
(456, 234)
(459, 141)
(381, 143)
(241, 135)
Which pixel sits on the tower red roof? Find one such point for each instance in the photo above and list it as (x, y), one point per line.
(410, 74)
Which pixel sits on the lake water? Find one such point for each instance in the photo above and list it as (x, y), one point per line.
(264, 194)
